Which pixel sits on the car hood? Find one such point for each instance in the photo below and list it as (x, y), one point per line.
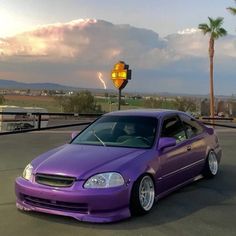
(82, 160)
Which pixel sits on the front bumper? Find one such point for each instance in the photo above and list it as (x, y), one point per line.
(93, 205)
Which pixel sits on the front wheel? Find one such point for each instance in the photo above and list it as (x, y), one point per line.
(143, 195)
(211, 166)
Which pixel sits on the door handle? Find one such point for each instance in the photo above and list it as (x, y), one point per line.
(189, 148)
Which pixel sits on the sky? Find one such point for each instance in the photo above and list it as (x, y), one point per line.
(162, 16)
(54, 41)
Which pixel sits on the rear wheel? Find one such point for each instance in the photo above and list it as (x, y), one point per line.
(211, 166)
(143, 195)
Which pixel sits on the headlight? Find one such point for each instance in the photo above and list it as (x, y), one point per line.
(28, 172)
(104, 180)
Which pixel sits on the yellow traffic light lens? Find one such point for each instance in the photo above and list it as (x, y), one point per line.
(122, 74)
(114, 75)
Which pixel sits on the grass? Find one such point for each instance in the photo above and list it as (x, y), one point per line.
(48, 103)
(52, 105)
(112, 104)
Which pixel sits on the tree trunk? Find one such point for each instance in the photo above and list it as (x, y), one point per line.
(211, 56)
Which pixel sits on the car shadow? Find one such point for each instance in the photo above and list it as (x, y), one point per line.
(182, 203)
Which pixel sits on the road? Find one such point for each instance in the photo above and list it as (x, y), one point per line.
(206, 207)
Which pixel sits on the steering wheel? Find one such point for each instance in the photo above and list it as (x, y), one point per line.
(145, 140)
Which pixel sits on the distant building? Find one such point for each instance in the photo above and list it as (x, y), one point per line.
(232, 108)
(227, 108)
(221, 107)
(205, 107)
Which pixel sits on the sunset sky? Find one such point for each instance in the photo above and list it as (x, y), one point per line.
(70, 41)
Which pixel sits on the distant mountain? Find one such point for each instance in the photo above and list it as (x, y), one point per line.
(11, 84)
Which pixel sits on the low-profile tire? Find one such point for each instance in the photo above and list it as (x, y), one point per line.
(211, 166)
(142, 196)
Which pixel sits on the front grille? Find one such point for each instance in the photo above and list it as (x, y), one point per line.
(54, 180)
(56, 205)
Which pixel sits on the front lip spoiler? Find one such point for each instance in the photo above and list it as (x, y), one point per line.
(109, 205)
(103, 217)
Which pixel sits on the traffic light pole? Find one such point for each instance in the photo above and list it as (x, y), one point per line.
(119, 99)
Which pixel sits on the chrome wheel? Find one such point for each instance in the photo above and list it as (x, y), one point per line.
(213, 163)
(146, 193)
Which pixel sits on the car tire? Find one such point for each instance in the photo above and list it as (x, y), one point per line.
(212, 165)
(142, 196)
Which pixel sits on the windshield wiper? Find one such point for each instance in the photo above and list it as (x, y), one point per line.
(94, 133)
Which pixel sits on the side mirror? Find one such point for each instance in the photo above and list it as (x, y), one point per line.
(74, 134)
(166, 142)
(210, 130)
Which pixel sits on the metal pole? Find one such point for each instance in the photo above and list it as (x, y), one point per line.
(119, 99)
(39, 121)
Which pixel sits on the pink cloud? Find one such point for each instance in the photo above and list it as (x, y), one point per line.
(48, 40)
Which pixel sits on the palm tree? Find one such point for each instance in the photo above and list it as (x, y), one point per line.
(215, 31)
(232, 10)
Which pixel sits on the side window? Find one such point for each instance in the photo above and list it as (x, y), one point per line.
(172, 127)
(191, 126)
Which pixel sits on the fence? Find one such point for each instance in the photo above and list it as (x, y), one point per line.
(87, 119)
(211, 121)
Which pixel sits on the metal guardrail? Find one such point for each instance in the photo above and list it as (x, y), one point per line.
(83, 115)
(213, 119)
(218, 118)
(53, 114)
(220, 125)
(44, 128)
(39, 120)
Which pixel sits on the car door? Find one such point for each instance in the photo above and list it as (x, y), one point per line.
(173, 160)
(197, 143)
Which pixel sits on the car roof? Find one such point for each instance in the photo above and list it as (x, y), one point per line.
(143, 112)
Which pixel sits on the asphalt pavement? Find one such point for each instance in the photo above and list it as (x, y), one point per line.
(206, 207)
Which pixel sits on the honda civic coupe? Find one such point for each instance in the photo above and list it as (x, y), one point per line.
(119, 166)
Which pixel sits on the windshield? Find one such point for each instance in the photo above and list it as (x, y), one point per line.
(120, 131)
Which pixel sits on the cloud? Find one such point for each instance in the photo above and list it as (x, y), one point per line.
(48, 41)
(72, 53)
(87, 39)
(188, 31)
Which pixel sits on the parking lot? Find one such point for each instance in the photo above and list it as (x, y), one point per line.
(206, 207)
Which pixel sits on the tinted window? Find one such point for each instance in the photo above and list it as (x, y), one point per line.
(120, 131)
(172, 127)
(191, 126)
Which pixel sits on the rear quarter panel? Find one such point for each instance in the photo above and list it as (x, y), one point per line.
(213, 143)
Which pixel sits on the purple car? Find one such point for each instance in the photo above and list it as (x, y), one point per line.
(119, 165)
